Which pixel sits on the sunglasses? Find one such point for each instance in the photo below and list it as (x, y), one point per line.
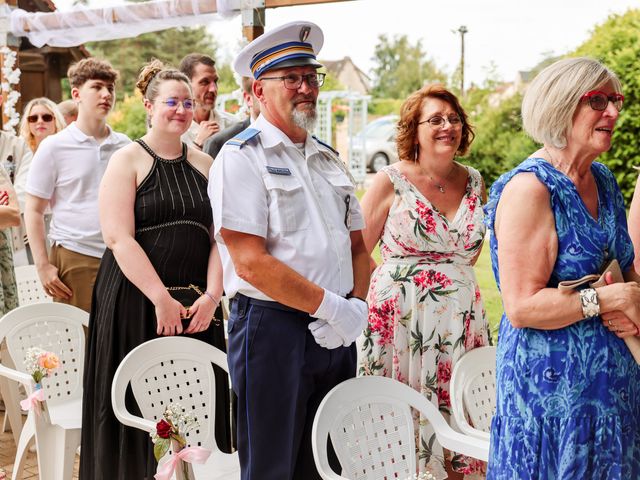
(600, 101)
(47, 117)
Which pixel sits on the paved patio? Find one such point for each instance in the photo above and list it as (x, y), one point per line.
(8, 455)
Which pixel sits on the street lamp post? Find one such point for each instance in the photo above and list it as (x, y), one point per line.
(462, 30)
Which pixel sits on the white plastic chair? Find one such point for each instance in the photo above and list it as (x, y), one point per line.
(29, 291)
(30, 288)
(175, 369)
(473, 391)
(57, 328)
(372, 430)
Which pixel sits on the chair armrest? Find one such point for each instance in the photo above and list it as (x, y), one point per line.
(136, 422)
(17, 376)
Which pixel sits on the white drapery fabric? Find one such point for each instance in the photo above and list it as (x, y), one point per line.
(73, 27)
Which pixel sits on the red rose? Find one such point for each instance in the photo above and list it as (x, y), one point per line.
(163, 429)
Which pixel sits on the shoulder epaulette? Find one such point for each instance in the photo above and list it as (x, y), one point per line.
(243, 137)
(325, 144)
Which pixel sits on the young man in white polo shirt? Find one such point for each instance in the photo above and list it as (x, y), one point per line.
(65, 174)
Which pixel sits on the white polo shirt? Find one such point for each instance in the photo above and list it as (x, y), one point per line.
(66, 170)
(297, 202)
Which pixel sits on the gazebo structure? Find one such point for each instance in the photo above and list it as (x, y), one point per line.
(41, 69)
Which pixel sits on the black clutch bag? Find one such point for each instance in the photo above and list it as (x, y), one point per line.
(187, 296)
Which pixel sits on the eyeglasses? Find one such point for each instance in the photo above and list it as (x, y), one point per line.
(47, 117)
(171, 102)
(599, 100)
(293, 81)
(439, 122)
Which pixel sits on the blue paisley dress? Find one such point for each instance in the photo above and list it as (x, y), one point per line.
(568, 400)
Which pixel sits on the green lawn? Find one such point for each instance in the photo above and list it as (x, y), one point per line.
(488, 288)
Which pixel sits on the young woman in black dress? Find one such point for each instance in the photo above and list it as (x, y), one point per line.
(156, 221)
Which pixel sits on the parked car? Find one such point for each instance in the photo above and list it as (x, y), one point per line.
(378, 139)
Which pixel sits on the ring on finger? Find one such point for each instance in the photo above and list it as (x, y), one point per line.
(610, 324)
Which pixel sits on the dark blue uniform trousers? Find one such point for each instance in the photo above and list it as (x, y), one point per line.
(280, 375)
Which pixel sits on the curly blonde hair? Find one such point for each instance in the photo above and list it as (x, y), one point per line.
(410, 116)
(25, 131)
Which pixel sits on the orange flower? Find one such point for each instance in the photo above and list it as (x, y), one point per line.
(48, 361)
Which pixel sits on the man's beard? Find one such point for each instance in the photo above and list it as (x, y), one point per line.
(208, 102)
(305, 119)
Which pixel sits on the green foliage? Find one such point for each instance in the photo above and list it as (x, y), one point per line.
(129, 117)
(500, 143)
(401, 67)
(226, 81)
(331, 83)
(384, 106)
(128, 55)
(617, 44)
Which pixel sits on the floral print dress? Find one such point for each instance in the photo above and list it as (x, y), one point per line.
(568, 400)
(425, 309)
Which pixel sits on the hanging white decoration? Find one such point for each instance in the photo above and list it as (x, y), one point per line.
(11, 77)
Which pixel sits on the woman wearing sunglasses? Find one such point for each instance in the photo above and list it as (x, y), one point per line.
(568, 389)
(41, 118)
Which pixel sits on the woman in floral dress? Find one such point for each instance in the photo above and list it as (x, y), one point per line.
(425, 309)
(568, 388)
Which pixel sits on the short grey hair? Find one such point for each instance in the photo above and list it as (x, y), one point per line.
(553, 96)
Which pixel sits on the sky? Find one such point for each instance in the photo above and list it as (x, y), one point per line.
(510, 35)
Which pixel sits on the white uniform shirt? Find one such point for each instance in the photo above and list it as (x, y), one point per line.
(66, 170)
(297, 203)
(224, 120)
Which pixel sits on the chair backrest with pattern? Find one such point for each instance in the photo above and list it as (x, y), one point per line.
(54, 327)
(376, 440)
(473, 391)
(169, 370)
(29, 286)
(371, 424)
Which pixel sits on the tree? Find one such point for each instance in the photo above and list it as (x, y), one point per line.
(401, 67)
(500, 142)
(128, 55)
(616, 43)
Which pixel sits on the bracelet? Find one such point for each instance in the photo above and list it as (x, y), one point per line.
(211, 297)
(589, 302)
(199, 145)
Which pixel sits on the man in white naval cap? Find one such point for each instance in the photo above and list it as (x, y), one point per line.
(288, 227)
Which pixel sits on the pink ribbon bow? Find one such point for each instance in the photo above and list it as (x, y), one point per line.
(197, 455)
(32, 401)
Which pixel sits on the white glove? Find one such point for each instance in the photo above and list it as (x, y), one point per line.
(347, 317)
(325, 335)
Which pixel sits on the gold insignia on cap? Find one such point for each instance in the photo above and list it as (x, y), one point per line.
(304, 33)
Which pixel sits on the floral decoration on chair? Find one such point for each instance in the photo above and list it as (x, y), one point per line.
(422, 476)
(39, 364)
(172, 430)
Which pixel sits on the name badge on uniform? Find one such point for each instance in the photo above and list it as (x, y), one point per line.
(278, 170)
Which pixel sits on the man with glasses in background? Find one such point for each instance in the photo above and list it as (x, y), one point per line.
(288, 227)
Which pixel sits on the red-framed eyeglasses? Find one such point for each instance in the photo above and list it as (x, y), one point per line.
(599, 100)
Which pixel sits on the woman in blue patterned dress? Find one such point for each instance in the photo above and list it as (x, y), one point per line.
(568, 400)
